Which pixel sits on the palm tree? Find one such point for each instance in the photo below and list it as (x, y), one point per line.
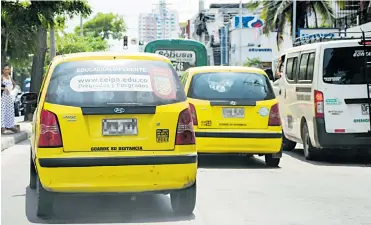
(277, 13)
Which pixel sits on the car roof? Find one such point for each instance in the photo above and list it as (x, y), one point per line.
(320, 44)
(205, 69)
(108, 55)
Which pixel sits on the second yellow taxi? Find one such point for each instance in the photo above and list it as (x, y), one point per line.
(234, 110)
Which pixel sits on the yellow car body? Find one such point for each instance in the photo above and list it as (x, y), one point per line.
(93, 134)
(250, 132)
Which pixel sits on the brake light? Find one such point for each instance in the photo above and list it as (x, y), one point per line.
(193, 113)
(274, 116)
(318, 104)
(50, 135)
(185, 134)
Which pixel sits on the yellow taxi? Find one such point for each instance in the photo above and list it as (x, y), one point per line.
(234, 110)
(113, 123)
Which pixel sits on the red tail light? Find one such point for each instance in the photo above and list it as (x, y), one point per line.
(193, 113)
(319, 104)
(185, 134)
(274, 116)
(50, 135)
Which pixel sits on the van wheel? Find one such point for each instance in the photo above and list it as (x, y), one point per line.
(287, 144)
(183, 201)
(33, 174)
(272, 162)
(44, 201)
(310, 152)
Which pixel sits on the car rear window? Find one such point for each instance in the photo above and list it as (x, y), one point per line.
(230, 86)
(345, 65)
(99, 83)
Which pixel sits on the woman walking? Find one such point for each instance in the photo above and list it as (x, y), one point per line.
(7, 104)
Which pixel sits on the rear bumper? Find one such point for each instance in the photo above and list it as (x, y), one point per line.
(339, 140)
(117, 174)
(241, 142)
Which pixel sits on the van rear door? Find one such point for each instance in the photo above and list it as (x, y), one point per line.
(345, 89)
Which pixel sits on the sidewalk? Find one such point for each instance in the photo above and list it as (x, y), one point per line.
(8, 140)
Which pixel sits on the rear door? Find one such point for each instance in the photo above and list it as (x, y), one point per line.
(116, 105)
(231, 100)
(344, 87)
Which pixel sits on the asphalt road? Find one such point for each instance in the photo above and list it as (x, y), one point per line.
(231, 191)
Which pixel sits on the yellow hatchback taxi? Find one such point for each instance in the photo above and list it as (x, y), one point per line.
(113, 123)
(234, 110)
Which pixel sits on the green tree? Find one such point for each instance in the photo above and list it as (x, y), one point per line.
(277, 13)
(44, 14)
(105, 25)
(24, 30)
(18, 38)
(253, 62)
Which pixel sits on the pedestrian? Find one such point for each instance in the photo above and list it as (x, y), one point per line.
(7, 103)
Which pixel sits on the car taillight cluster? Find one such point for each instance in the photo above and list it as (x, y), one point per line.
(193, 113)
(50, 135)
(318, 104)
(274, 116)
(185, 134)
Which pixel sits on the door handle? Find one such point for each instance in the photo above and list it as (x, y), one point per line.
(280, 92)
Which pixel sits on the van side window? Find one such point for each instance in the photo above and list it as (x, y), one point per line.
(310, 69)
(303, 67)
(291, 68)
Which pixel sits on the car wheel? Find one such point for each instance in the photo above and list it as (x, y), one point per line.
(272, 162)
(183, 201)
(310, 152)
(287, 144)
(44, 201)
(33, 175)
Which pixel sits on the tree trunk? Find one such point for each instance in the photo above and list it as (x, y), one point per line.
(37, 70)
(4, 54)
(52, 44)
(315, 14)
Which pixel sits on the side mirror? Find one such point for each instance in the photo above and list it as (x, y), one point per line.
(29, 98)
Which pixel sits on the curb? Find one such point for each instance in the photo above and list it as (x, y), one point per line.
(10, 141)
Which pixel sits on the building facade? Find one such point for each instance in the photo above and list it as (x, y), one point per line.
(161, 23)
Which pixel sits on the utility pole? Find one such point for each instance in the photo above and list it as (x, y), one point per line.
(240, 34)
(81, 27)
(293, 21)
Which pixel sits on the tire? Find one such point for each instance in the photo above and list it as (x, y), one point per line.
(287, 144)
(44, 201)
(310, 152)
(183, 201)
(272, 162)
(33, 175)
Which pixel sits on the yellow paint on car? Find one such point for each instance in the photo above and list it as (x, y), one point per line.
(250, 133)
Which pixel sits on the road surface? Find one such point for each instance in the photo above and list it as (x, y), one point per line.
(231, 191)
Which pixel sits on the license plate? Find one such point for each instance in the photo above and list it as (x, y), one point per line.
(119, 127)
(233, 112)
(365, 109)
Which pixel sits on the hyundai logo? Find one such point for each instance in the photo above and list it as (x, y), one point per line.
(119, 110)
(233, 103)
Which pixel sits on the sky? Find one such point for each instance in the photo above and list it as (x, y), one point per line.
(130, 10)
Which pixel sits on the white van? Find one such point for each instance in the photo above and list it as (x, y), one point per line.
(323, 97)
